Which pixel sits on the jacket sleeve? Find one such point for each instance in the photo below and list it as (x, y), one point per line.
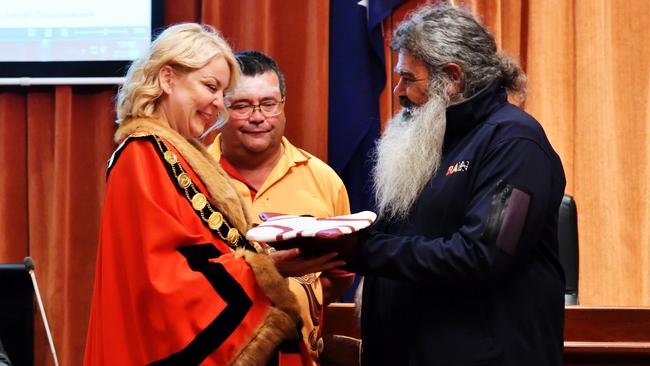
(492, 236)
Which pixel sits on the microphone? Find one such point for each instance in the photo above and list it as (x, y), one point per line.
(29, 264)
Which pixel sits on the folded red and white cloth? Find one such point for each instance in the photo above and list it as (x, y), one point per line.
(279, 227)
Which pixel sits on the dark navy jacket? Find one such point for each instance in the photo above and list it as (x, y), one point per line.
(472, 277)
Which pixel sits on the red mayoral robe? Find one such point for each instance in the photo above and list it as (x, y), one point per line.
(176, 283)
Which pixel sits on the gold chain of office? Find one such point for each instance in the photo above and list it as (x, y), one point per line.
(199, 201)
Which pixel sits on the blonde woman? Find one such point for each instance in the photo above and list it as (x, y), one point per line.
(176, 282)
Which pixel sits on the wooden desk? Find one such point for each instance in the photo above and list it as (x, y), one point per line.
(606, 336)
(593, 336)
(340, 319)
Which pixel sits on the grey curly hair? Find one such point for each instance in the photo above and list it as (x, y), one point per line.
(443, 34)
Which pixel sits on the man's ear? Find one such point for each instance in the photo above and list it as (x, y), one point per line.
(166, 79)
(455, 74)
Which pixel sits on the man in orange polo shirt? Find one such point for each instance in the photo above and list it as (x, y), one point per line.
(272, 175)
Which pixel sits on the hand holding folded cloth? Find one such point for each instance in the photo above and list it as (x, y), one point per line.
(313, 236)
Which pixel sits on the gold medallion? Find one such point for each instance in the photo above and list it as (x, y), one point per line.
(233, 236)
(184, 180)
(170, 157)
(199, 201)
(215, 220)
(307, 279)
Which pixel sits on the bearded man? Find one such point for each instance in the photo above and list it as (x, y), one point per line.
(461, 267)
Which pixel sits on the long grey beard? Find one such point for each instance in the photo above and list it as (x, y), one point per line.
(408, 154)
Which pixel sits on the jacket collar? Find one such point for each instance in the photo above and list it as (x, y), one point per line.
(464, 116)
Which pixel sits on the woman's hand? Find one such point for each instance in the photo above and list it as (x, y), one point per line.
(289, 264)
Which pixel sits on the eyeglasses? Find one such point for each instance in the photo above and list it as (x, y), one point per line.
(268, 108)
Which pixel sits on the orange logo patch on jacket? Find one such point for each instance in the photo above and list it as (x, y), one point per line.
(460, 166)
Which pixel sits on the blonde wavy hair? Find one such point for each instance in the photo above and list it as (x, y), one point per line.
(185, 47)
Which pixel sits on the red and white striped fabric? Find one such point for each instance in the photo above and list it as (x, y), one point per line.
(279, 227)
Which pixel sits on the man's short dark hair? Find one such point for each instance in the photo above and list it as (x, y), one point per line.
(257, 63)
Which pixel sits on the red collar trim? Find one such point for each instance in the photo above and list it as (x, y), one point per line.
(235, 174)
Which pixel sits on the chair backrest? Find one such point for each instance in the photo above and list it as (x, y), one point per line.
(17, 314)
(567, 233)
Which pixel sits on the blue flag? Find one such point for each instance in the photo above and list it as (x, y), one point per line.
(357, 77)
